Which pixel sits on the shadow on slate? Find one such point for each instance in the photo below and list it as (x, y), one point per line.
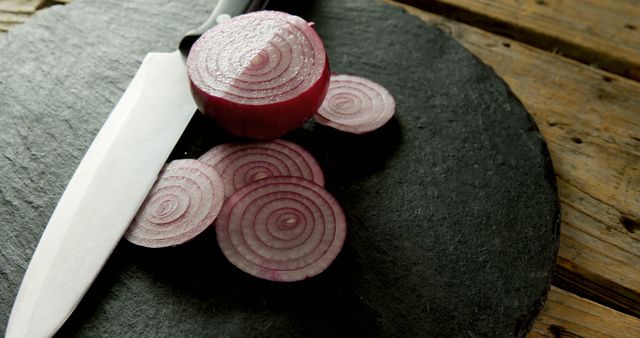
(452, 212)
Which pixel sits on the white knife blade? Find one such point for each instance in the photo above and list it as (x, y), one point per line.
(104, 195)
(109, 185)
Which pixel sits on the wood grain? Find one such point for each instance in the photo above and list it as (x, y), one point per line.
(5, 26)
(591, 121)
(13, 17)
(605, 33)
(567, 315)
(15, 12)
(20, 6)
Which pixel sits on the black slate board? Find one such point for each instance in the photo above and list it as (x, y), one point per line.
(453, 217)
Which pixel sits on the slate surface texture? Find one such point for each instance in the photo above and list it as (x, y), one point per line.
(452, 211)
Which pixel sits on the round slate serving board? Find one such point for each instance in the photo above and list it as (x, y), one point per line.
(452, 212)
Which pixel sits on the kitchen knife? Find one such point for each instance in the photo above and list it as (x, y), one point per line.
(109, 185)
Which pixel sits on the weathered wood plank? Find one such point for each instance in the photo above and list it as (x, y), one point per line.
(605, 33)
(12, 17)
(14, 12)
(591, 121)
(20, 6)
(567, 315)
(5, 26)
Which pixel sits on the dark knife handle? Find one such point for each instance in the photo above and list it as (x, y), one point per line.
(224, 10)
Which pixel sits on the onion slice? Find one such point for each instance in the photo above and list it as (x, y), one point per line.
(183, 202)
(242, 163)
(281, 229)
(356, 105)
(259, 75)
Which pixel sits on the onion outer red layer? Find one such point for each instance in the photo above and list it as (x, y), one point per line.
(183, 202)
(259, 75)
(356, 105)
(281, 229)
(242, 163)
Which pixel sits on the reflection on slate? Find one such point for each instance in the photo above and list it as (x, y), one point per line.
(451, 207)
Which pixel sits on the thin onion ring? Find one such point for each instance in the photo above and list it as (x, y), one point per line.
(242, 163)
(281, 229)
(356, 105)
(183, 202)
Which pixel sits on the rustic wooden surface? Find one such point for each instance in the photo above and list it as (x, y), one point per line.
(20, 6)
(567, 315)
(14, 12)
(604, 33)
(591, 121)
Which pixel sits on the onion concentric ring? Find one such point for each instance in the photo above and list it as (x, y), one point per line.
(259, 75)
(242, 163)
(183, 202)
(356, 105)
(281, 229)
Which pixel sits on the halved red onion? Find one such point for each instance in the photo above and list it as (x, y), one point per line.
(281, 229)
(259, 75)
(242, 163)
(356, 105)
(183, 202)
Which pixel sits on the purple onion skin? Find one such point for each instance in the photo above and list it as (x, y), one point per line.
(266, 121)
(233, 100)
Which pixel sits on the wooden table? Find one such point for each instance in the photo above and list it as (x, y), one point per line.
(575, 64)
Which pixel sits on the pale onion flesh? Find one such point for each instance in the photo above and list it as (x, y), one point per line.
(242, 163)
(281, 229)
(183, 202)
(356, 105)
(259, 75)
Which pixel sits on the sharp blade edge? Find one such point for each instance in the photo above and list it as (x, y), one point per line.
(104, 194)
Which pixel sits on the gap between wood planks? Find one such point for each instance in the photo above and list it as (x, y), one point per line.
(591, 122)
(603, 34)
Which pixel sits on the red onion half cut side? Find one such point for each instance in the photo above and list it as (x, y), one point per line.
(183, 202)
(259, 75)
(242, 163)
(355, 105)
(281, 229)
